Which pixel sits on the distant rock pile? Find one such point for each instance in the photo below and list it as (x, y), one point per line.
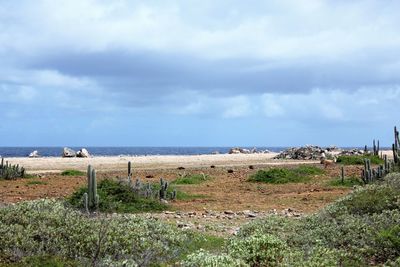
(306, 152)
(352, 152)
(70, 153)
(238, 150)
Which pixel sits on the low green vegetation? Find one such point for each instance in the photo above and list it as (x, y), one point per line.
(191, 179)
(115, 196)
(347, 182)
(361, 229)
(300, 174)
(359, 160)
(49, 233)
(36, 182)
(9, 171)
(73, 173)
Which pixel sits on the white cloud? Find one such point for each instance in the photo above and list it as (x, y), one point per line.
(279, 30)
(236, 107)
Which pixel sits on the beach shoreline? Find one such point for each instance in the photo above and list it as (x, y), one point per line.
(117, 163)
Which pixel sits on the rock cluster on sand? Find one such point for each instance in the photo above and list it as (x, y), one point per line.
(70, 153)
(238, 150)
(305, 152)
(34, 154)
(83, 153)
(352, 152)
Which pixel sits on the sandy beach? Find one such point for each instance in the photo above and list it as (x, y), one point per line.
(115, 163)
(118, 163)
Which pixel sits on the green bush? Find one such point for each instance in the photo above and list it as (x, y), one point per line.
(357, 230)
(359, 160)
(119, 197)
(347, 182)
(191, 179)
(258, 249)
(203, 258)
(36, 182)
(300, 174)
(47, 227)
(371, 199)
(72, 173)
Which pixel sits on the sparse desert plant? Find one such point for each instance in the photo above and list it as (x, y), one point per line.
(10, 172)
(300, 174)
(347, 182)
(191, 179)
(359, 159)
(258, 249)
(72, 173)
(116, 196)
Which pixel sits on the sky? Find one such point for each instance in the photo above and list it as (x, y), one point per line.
(199, 72)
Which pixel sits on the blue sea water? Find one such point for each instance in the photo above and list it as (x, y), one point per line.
(128, 151)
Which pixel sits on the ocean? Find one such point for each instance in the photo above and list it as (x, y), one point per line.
(126, 151)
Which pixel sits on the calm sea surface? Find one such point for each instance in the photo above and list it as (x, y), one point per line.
(116, 151)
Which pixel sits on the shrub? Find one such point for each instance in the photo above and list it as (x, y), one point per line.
(372, 199)
(347, 182)
(203, 258)
(116, 196)
(36, 182)
(282, 175)
(359, 160)
(72, 173)
(192, 179)
(258, 249)
(47, 227)
(10, 172)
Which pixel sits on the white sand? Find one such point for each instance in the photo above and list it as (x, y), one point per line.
(111, 163)
(57, 164)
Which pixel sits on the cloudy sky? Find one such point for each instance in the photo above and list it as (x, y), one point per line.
(198, 72)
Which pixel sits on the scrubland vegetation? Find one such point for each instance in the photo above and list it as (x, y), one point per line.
(360, 229)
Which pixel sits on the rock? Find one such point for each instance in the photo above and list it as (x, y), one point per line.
(234, 150)
(34, 154)
(83, 153)
(181, 168)
(169, 212)
(230, 171)
(245, 151)
(163, 201)
(215, 152)
(229, 212)
(238, 150)
(212, 166)
(68, 153)
(307, 152)
(251, 167)
(249, 214)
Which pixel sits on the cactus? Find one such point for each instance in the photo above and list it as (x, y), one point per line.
(163, 189)
(342, 174)
(86, 202)
(93, 197)
(173, 194)
(10, 172)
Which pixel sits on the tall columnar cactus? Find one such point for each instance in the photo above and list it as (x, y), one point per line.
(342, 174)
(376, 148)
(396, 147)
(92, 196)
(163, 188)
